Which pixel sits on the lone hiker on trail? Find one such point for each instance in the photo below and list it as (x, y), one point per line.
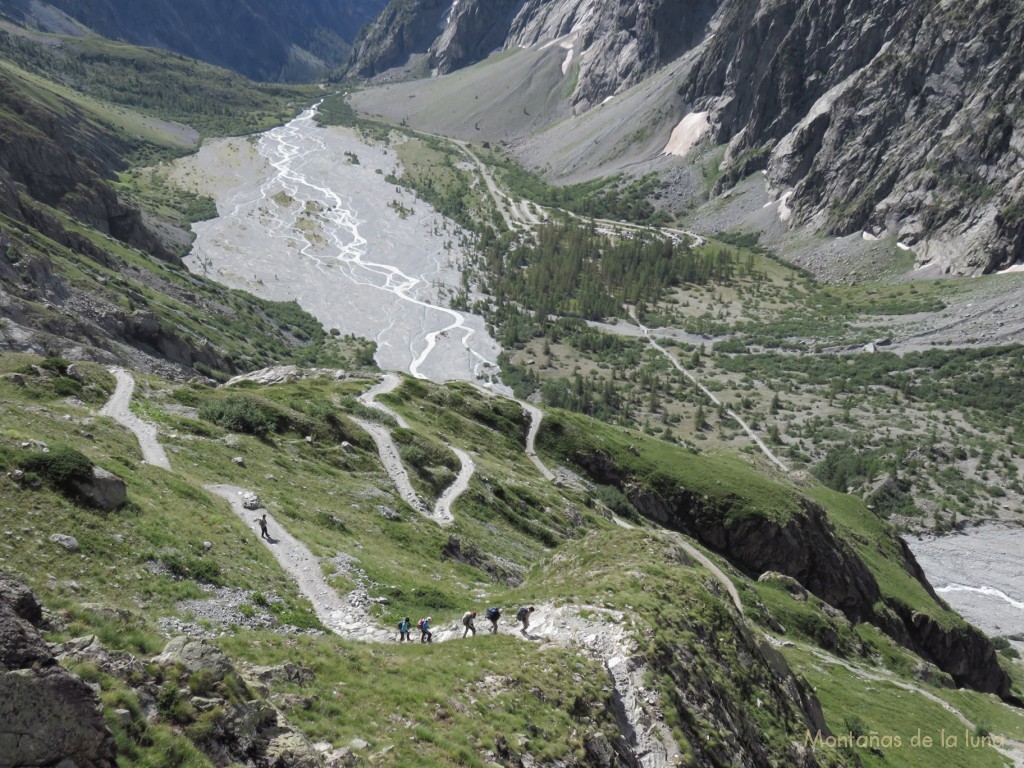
(523, 615)
(426, 636)
(263, 528)
(493, 614)
(403, 629)
(467, 622)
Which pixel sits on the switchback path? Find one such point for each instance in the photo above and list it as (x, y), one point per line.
(390, 458)
(342, 614)
(118, 407)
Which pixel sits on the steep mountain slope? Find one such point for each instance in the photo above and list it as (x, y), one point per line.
(691, 608)
(83, 271)
(273, 41)
(633, 636)
(895, 119)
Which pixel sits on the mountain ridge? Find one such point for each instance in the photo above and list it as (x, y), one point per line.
(273, 41)
(856, 120)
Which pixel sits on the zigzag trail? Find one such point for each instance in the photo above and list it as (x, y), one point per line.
(637, 708)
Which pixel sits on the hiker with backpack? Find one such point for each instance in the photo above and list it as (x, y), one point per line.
(523, 615)
(426, 636)
(493, 614)
(467, 621)
(403, 629)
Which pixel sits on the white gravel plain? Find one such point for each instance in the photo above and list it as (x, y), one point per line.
(306, 213)
(979, 572)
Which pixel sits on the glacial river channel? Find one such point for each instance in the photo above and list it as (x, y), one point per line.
(305, 213)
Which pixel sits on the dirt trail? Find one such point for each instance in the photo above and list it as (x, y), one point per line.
(342, 614)
(118, 407)
(885, 677)
(390, 458)
(443, 507)
(711, 395)
(536, 415)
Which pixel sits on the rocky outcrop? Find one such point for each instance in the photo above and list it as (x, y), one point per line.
(498, 568)
(806, 547)
(250, 731)
(56, 159)
(104, 489)
(47, 714)
(957, 648)
(404, 28)
(194, 655)
(758, 673)
(884, 116)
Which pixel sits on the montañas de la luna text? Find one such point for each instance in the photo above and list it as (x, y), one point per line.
(919, 740)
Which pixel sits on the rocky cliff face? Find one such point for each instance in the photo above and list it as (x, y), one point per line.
(877, 116)
(888, 117)
(615, 44)
(61, 161)
(47, 715)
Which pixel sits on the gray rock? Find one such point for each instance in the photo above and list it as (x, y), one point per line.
(70, 543)
(281, 673)
(105, 490)
(47, 714)
(195, 655)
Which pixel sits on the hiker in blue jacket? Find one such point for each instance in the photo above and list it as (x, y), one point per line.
(403, 629)
(426, 636)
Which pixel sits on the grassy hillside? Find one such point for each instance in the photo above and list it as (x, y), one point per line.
(175, 548)
(105, 75)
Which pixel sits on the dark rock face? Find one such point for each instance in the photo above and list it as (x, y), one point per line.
(885, 116)
(807, 548)
(61, 164)
(497, 568)
(404, 28)
(104, 490)
(961, 650)
(47, 714)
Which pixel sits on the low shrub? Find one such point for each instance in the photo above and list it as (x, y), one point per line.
(61, 467)
(239, 413)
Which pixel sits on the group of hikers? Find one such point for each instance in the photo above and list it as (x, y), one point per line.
(468, 621)
(423, 625)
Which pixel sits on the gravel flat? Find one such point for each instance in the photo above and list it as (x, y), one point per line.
(306, 213)
(980, 573)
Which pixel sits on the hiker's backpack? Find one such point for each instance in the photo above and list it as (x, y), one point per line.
(493, 614)
(419, 624)
(523, 613)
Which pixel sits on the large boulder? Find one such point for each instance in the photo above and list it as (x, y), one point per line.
(104, 490)
(195, 655)
(48, 716)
